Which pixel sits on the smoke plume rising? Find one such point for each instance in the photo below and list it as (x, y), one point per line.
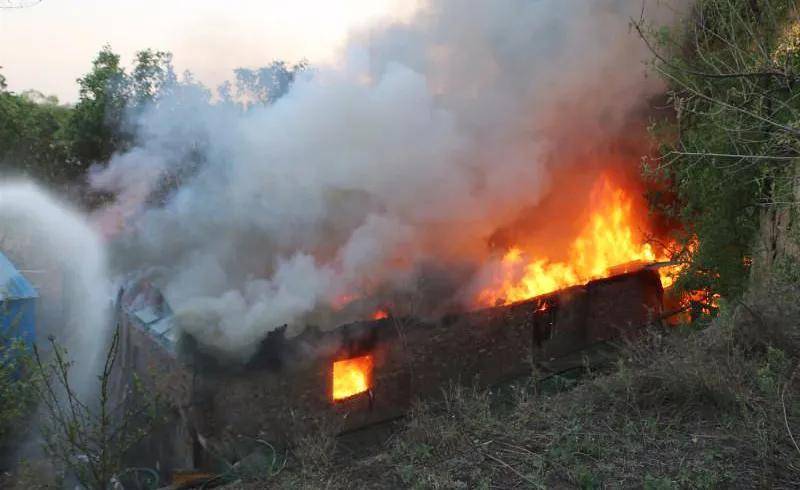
(50, 236)
(408, 155)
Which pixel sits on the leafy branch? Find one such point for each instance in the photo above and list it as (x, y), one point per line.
(92, 440)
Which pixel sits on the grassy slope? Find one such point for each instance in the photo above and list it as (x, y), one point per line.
(681, 409)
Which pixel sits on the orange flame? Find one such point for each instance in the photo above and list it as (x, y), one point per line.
(380, 314)
(351, 376)
(606, 245)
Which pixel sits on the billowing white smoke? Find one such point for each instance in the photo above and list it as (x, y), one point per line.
(425, 138)
(41, 230)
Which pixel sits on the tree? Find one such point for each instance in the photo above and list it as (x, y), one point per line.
(57, 143)
(96, 129)
(267, 84)
(152, 77)
(32, 139)
(110, 100)
(733, 70)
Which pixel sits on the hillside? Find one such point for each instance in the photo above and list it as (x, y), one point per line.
(683, 408)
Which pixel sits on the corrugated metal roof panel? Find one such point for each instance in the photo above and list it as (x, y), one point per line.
(147, 315)
(162, 326)
(13, 285)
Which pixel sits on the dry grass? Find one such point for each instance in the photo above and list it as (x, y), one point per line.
(717, 408)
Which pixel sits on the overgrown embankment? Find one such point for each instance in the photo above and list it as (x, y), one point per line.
(683, 408)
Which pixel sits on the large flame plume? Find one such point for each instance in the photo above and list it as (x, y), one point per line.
(608, 243)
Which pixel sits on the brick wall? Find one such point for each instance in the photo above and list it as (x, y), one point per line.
(286, 390)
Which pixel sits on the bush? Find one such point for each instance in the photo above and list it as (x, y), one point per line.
(91, 438)
(17, 394)
(728, 153)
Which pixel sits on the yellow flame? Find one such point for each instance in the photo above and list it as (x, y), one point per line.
(351, 376)
(606, 245)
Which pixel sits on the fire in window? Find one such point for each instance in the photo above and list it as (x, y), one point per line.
(352, 376)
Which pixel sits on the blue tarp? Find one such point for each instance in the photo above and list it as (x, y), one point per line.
(17, 303)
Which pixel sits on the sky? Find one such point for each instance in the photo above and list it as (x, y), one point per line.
(49, 45)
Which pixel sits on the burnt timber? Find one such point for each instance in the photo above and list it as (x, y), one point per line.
(286, 390)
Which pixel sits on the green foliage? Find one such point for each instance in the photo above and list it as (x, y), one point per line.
(586, 479)
(771, 372)
(732, 72)
(267, 84)
(95, 127)
(655, 483)
(152, 77)
(17, 387)
(91, 438)
(58, 143)
(32, 135)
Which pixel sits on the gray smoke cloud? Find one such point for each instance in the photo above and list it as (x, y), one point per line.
(423, 140)
(67, 259)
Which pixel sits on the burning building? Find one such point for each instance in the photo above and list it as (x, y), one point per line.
(363, 372)
(489, 154)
